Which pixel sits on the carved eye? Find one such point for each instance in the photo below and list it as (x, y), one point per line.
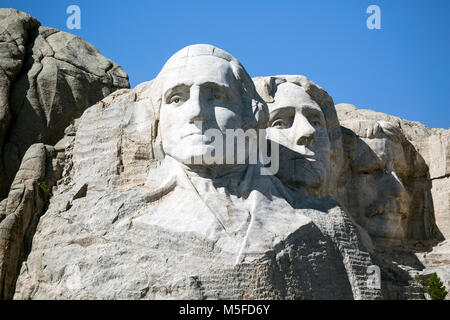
(216, 94)
(279, 123)
(317, 123)
(174, 99)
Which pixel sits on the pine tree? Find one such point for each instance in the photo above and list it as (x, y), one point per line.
(436, 288)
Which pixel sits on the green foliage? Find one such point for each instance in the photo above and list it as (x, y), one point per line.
(433, 286)
(436, 288)
(419, 280)
(72, 121)
(44, 187)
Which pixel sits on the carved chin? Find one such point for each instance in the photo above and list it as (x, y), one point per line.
(303, 174)
(312, 181)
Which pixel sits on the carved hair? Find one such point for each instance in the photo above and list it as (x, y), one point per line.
(371, 129)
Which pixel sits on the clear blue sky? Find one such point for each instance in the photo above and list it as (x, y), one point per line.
(402, 69)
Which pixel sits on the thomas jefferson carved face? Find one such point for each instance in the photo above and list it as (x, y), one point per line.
(199, 93)
(298, 125)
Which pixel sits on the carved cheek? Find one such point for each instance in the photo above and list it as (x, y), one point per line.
(323, 142)
(281, 136)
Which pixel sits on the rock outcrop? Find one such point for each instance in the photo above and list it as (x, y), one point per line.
(438, 261)
(129, 221)
(47, 78)
(94, 245)
(100, 199)
(413, 130)
(435, 150)
(429, 160)
(19, 213)
(421, 166)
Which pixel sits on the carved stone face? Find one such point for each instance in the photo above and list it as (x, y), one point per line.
(379, 195)
(199, 93)
(298, 125)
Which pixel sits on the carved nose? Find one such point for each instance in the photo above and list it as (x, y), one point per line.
(392, 186)
(195, 105)
(305, 132)
(306, 140)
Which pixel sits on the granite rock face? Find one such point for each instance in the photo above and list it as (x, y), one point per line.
(438, 261)
(413, 130)
(435, 150)
(128, 201)
(404, 166)
(96, 243)
(422, 160)
(130, 219)
(48, 78)
(19, 213)
(385, 184)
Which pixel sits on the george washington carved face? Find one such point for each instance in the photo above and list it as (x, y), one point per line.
(203, 89)
(201, 95)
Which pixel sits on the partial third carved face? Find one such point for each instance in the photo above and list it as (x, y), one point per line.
(380, 195)
(298, 125)
(199, 94)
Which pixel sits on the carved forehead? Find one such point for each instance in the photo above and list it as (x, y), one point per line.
(198, 70)
(197, 50)
(291, 95)
(385, 147)
(376, 152)
(198, 64)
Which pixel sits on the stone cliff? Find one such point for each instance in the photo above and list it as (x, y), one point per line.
(101, 199)
(47, 78)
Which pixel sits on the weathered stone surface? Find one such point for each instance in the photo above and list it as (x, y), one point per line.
(435, 150)
(413, 130)
(429, 161)
(15, 27)
(20, 211)
(131, 219)
(419, 164)
(385, 185)
(437, 261)
(48, 77)
(441, 202)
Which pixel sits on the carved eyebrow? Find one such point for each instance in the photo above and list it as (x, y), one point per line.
(221, 86)
(185, 86)
(281, 111)
(312, 111)
(175, 88)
